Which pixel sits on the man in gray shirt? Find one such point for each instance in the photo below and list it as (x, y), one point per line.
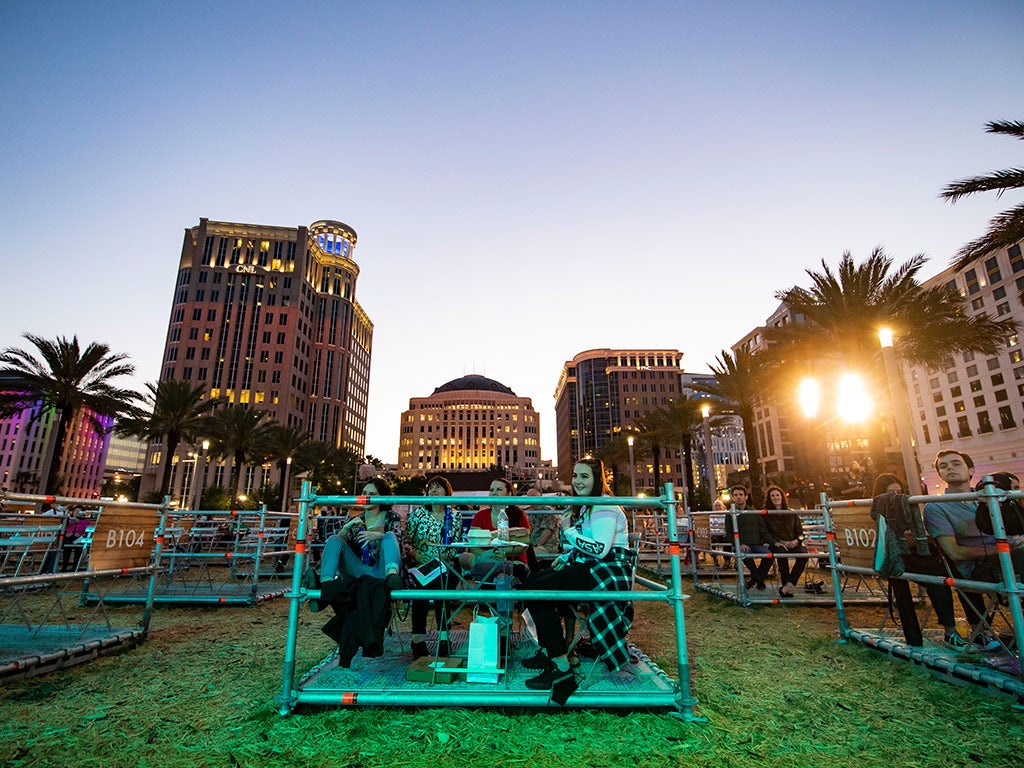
(951, 524)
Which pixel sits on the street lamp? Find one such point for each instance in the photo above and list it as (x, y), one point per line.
(900, 412)
(632, 467)
(284, 483)
(200, 475)
(709, 455)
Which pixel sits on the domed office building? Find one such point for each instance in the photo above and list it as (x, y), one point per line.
(470, 424)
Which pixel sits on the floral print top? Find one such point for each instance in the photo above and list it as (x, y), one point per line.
(422, 536)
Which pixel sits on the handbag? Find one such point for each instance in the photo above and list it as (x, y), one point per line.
(1010, 510)
(483, 650)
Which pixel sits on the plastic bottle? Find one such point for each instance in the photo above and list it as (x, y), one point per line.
(503, 526)
(365, 549)
(447, 527)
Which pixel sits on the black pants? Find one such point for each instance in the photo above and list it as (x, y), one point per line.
(545, 613)
(940, 595)
(442, 609)
(799, 564)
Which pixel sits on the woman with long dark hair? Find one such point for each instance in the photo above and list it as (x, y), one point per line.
(597, 557)
(423, 533)
(788, 531)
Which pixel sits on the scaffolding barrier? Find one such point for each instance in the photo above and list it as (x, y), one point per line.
(45, 623)
(215, 557)
(382, 682)
(998, 670)
(717, 565)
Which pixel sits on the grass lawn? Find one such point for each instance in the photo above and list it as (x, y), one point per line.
(775, 687)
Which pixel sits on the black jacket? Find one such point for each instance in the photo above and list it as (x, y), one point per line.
(362, 609)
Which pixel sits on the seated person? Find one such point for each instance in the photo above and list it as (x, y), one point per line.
(483, 564)
(74, 530)
(367, 544)
(598, 557)
(423, 531)
(718, 540)
(545, 530)
(754, 537)
(952, 524)
(940, 595)
(788, 531)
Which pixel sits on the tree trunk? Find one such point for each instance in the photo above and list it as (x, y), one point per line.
(165, 481)
(656, 455)
(63, 424)
(753, 459)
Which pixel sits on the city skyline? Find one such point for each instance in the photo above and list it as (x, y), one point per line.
(528, 182)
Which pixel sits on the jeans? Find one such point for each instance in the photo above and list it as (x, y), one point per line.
(338, 559)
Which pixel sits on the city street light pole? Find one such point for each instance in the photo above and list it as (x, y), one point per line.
(632, 467)
(709, 454)
(284, 484)
(900, 412)
(199, 476)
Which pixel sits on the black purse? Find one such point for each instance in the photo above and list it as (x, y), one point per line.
(1011, 510)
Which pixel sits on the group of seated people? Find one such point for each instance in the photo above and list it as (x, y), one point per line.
(377, 543)
(779, 533)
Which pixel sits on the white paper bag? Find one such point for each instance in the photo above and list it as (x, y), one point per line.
(483, 649)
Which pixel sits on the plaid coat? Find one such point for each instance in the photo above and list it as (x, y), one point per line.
(610, 621)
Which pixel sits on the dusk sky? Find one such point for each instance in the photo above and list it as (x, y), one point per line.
(528, 180)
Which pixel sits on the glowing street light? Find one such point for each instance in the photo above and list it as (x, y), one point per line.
(284, 484)
(200, 475)
(900, 411)
(632, 467)
(853, 402)
(709, 456)
(809, 394)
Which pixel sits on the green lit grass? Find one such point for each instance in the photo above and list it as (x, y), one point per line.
(775, 687)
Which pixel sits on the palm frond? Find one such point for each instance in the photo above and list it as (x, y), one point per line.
(1004, 230)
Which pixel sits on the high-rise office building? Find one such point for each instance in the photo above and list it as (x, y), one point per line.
(25, 438)
(975, 402)
(267, 317)
(603, 391)
(470, 424)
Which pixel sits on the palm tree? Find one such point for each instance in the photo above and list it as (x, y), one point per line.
(843, 311)
(71, 381)
(285, 443)
(331, 469)
(652, 436)
(1008, 227)
(237, 432)
(739, 382)
(173, 411)
(614, 453)
(676, 424)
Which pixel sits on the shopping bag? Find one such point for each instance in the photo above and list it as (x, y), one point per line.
(483, 649)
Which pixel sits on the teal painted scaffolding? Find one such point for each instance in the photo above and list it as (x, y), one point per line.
(997, 671)
(381, 682)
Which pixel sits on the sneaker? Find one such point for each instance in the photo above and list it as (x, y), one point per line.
(546, 680)
(419, 650)
(983, 642)
(955, 641)
(538, 661)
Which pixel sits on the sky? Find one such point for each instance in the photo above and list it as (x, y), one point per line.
(528, 180)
